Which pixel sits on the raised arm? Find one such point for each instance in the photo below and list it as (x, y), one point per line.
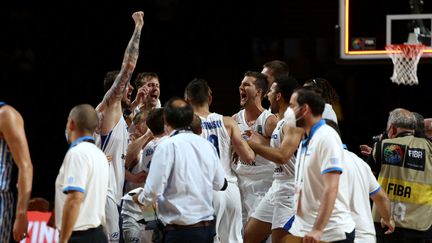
(12, 129)
(240, 146)
(115, 93)
(287, 149)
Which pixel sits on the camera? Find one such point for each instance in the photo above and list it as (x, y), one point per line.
(379, 137)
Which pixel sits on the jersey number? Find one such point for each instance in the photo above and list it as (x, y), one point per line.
(215, 141)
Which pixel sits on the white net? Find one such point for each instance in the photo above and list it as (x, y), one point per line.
(405, 59)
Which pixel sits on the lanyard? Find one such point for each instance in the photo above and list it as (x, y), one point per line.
(175, 132)
(82, 139)
(300, 165)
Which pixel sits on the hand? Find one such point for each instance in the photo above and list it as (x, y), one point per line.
(312, 237)
(365, 150)
(20, 227)
(51, 220)
(39, 204)
(135, 198)
(138, 17)
(257, 138)
(390, 224)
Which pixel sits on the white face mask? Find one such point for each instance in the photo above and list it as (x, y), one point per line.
(67, 136)
(290, 116)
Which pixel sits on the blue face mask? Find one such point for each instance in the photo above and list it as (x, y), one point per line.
(67, 137)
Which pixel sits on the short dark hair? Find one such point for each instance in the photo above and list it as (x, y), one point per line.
(197, 91)
(109, 79)
(141, 78)
(315, 102)
(85, 117)
(420, 126)
(286, 86)
(323, 87)
(278, 67)
(260, 81)
(155, 121)
(178, 113)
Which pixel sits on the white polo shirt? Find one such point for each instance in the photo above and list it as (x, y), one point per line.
(322, 154)
(362, 184)
(84, 169)
(185, 170)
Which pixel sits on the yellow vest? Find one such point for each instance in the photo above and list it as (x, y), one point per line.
(406, 176)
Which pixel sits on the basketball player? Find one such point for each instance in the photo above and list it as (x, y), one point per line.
(274, 69)
(254, 179)
(113, 129)
(134, 231)
(224, 134)
(13, 149)
(276, 208)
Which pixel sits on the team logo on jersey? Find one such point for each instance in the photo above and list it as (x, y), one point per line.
(149, 152)
(393, 154)
(260, 129)
(115, 235)
(70, 180)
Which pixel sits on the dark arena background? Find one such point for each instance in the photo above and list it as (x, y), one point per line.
(54, 56)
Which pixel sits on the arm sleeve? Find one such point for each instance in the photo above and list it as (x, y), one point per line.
(331, 151)
(160, 170)
(75, 172)
(374, 186)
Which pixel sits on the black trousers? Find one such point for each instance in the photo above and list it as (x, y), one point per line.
(349, 238)
(191, 235)
(94, 235)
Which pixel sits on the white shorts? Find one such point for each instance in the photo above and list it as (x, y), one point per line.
(228, 212)
(112, 227)
(134, 232)
(277, 205)
(252, 190)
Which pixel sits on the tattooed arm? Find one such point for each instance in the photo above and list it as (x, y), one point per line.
(111, 103)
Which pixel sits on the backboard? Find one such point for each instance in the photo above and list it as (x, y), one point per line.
(367, 26)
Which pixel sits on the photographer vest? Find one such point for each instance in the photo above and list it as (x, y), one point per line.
(406, 172)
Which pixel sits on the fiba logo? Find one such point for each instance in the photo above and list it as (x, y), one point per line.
(357, 44)
(393, 154)
(363, 43)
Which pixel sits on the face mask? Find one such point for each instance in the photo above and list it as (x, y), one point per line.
(67, 136)
(290, 116)
(297, 115)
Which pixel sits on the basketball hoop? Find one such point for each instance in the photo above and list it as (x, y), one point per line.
(405, 58)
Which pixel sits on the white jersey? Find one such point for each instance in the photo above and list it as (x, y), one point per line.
(213, 129)
(281, 171)
(130, 208)
(84, 169)
(259, 165)
(114, 145)
(362, 184)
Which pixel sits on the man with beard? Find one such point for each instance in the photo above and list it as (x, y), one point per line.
(254, 179)
(113, 128)
(323, 211)
(148, 82)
